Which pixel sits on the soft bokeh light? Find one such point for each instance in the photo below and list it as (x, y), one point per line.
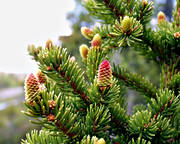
(26, 22)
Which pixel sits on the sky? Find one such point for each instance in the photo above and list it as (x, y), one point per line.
(24, 22)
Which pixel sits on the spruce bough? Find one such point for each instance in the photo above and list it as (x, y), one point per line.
(89, 107)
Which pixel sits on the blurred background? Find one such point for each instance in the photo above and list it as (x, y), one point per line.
(24, 22)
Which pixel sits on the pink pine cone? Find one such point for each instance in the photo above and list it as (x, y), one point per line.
(104, 74)
(32, 87)
(41, 77)
(96, 42)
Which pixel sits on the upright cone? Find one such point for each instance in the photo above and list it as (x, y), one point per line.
(83, 49)
(104, 74)
(177, 35)
(96, 42)
(101, 141)
(49, 44)
(41, 77)
(126, 24)
(87, 32)
(161, 17)
(32, 87)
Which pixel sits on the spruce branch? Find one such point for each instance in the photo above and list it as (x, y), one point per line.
(139, 140)
(164, 109)
(138, 125)
(113, 8)
(158, 130)
(42, 137)
(94, 58)
(92, 140)
(119, 119)
(126, 31)
(165, 104)
(174, 84)
(169, 75)
(144, 11)
(160, 45)
(56, 115)
(98, 9)
(58, 66)
(97, 120)
(33, 51)
(135, 81)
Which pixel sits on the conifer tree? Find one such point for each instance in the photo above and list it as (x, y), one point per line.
(89, 107)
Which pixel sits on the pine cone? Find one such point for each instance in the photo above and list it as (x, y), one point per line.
(41, 77)
(84, 51)
(52, 104)
(101, 141)
(126, 24)
(96, 42)
(49, 44)
(32, 87)
(177, 34)
(104, 74)
(50, 117)
(161, 17)
(87, 33)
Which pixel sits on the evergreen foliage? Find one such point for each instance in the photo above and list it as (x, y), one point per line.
(89, 107)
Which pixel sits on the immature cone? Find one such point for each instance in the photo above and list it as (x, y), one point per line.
(49, 44)
(177, 34)
(52, 104)
(50, 117)
(32, 87)
(144, 3)
(94, 139)
(161, 17)
(34, 51)
(126, 24)
(101, 141)
(83, 49)
(104, 74)
(86, 32)
(41, 77)
(96, 42)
